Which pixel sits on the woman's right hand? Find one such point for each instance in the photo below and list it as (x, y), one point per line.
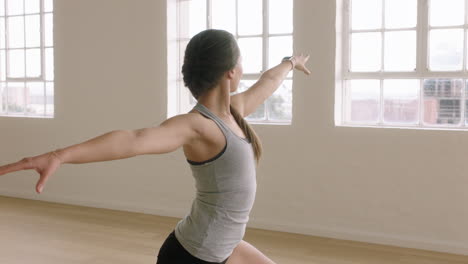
(45, 164)
(299, 63)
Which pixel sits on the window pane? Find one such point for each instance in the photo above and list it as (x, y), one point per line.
(466, 103)
(400, 51)
(366, 52)
(244, 85)
(447, 13)
(401, 13)
(48, 5)
(16, 101)
(3, 95)
(2, 7)
(182, 48)
(49, 98)
(35, 98)
(442, 99)
(49, 29)
(2, 33)
(32, 6)
(49, 64)
(446, 49)
(363, 101)
(15, 7)
(16, 63)
(251, 52)
(279, 48)
(192, 17)
(2, 65)
(280, 16)
(33, 31)
(250, 17)
(224, 15)
(16, 32)
(279, 104)
(401, 101)
(259, 113)
(33, 62)
(366, 14)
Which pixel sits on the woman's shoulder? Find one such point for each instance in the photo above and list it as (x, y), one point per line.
(193, 119)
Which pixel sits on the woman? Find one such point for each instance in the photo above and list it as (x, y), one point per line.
(220, 146)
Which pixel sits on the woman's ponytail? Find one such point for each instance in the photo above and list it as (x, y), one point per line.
(249, 133)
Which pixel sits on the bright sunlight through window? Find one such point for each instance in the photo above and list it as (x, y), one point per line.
(264, 30)
(26, 58)
(403, 64)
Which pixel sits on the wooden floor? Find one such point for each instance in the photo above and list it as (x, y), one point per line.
(39, 232)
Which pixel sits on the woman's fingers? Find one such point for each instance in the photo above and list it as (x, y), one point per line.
(301, 61)
(52, 163)
(45, 164)
(24, 164)
(42, 180)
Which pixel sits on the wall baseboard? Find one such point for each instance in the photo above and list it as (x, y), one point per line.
(313, 230)
(366, 237)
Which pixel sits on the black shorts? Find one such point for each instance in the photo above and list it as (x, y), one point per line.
(172, 252)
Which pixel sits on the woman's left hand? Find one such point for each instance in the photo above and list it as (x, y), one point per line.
(299, 63)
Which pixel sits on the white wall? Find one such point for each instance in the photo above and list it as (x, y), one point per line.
(390, 186)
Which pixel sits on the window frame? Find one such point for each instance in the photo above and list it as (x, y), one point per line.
(421, 73)
(181, 99)
(42, 78)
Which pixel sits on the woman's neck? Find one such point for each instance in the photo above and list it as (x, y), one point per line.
(218, 100)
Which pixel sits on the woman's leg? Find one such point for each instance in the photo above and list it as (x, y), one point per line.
(245, 253)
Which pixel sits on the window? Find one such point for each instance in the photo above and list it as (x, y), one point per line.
(26, 58)
(402, 63)
(264, 31)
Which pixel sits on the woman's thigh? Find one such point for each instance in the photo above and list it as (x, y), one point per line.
(245, 253)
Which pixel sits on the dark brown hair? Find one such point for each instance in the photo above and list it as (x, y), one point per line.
(208, 55)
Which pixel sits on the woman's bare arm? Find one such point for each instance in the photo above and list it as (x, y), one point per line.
(247, 102)
(119, 144)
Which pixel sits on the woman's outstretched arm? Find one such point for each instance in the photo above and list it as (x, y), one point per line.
(119, 144)
(247, 102)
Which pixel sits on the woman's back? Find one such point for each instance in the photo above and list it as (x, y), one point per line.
(226, 187)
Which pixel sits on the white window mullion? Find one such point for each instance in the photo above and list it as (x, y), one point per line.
(346, 38)
(382, 103)
(25, 62)
(422, 53)
(7, 42)
(382, 32)
(463, 104)
(237, 19)
(345, 60)
(421, 102)
(42, 50)
(265, 35)
(6, 58)
(209, 16)
(42, 41)
(24, 36)
(463, 95)
(265, 38)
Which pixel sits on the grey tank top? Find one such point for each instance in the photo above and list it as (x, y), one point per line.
(225, 194)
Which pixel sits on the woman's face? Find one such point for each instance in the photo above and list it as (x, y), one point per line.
(238, 71)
